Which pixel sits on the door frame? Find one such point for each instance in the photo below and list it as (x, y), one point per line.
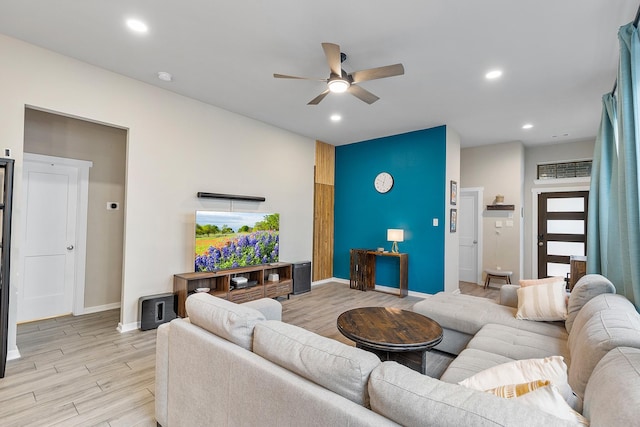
(82, 167)
(479, 192)
(534, 218)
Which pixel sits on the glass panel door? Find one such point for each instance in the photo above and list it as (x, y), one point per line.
(562, 230)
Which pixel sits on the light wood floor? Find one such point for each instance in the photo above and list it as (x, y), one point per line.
(80, 371)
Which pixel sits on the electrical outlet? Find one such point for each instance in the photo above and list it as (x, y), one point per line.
(509, 223)
(435, 222)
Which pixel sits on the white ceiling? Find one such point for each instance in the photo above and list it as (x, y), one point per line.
(558, 56)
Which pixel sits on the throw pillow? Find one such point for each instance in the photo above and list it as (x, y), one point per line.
(532, 282)
(542, 302)
(549, 400)
(552, 369)
(514, 390)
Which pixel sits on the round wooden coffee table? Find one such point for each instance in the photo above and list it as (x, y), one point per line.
(392, 333)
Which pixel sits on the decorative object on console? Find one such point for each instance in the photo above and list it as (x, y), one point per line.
(395, 235)
(274, 277)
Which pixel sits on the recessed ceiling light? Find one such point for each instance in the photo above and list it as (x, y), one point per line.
(137, 26)
(527, 126)
(164, 76)
(336, 117)
(494, 74)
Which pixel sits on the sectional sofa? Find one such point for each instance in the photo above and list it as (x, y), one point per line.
(230, 364)
(601, 330)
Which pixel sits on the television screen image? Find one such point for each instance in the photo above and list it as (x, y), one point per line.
(227, 240)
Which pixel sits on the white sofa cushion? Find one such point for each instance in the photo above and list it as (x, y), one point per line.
(412, 399)
(612, 396)
(336, 366)
(469, 314)
(604, 323)
(233, 322)
(518, 344)
(587, 287)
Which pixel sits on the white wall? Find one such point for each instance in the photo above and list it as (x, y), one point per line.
(499, 169)
(451, 240)
(176, 147)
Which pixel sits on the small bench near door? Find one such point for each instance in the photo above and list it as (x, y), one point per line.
(497, 274)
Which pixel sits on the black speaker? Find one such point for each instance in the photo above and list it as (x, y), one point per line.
(156, 310)
(301, 277)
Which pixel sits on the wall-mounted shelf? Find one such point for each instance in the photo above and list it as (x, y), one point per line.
(501, 207)
(203, 195)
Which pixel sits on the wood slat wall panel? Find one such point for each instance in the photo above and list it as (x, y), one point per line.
(325, 163)
(323, 220)
(323, 232)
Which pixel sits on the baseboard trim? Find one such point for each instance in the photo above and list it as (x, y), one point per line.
(323, 281)
(99, 308)
(13, 354)
(380, 288)
(128, 327)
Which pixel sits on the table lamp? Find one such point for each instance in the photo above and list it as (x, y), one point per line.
(395, 235)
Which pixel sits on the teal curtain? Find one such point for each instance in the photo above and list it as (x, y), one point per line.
(603, 233)
(614, 201)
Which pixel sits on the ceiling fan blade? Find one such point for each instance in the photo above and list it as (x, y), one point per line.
(332, 52)
(284, 76)
(377, 73)
(317, 99)
(362, 94)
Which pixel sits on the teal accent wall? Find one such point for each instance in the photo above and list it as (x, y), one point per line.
(417, 161)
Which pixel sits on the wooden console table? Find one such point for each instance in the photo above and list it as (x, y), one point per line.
(363, 269)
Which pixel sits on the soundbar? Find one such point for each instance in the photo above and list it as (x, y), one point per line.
(203, 195)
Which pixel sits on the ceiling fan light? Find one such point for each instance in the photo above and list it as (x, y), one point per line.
(338, 85)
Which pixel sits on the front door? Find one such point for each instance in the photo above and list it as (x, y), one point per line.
(562, 230)
(48, 261)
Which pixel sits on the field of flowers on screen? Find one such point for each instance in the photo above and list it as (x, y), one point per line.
(219, 249)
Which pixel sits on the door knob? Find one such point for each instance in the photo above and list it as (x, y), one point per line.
(475, 241)
(540, 243)
(70, 247)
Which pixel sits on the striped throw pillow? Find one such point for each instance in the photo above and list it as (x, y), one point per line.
(546, 302)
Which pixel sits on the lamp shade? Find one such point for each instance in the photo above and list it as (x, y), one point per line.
(395, 235)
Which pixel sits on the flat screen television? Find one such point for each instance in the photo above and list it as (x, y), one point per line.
(226, 240)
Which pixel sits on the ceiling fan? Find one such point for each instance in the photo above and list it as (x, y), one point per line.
(341, 81)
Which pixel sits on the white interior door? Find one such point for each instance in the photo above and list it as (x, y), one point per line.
(468, 229)
(49, 256)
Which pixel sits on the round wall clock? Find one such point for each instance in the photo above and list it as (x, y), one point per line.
(383, 182)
